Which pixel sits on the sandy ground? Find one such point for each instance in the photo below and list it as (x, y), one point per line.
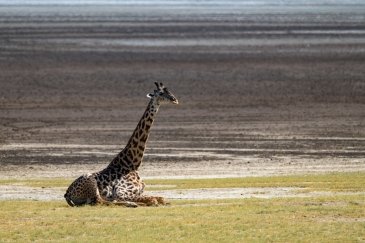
(262, 91)
(16, 192)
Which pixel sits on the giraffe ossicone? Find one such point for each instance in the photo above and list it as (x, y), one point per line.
(119, 183)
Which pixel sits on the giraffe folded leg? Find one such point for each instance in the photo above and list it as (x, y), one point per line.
(125, 203)
(150, 201)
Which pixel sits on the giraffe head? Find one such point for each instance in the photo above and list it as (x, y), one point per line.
(162, 95)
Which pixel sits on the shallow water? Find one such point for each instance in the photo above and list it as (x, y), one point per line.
(264, 89)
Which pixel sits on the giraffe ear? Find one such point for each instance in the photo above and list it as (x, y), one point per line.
(150, 96)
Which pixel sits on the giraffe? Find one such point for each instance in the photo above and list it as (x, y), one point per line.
(119, 183)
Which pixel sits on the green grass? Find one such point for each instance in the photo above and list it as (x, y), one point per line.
(352, 181)
(325, 219)
(44, 183)
(337, 218)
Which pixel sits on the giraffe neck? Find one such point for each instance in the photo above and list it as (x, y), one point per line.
(131, 156)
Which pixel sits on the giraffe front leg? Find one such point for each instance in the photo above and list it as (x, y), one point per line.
(127, 204)
(146, 201)
(122, 200)
(123, 197)
(150, 201)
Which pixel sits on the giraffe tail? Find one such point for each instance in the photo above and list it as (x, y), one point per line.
(69, 201)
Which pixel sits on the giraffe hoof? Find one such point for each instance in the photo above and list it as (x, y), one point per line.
(162, 201)
(152, 202)
(166, 203)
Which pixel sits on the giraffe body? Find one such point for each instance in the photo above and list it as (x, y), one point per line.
(119, 183)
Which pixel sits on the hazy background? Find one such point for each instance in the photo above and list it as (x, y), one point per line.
(264, 86)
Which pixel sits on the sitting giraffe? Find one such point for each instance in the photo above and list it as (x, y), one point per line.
(119, 183)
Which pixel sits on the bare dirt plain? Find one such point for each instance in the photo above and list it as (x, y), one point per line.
(262, 90)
